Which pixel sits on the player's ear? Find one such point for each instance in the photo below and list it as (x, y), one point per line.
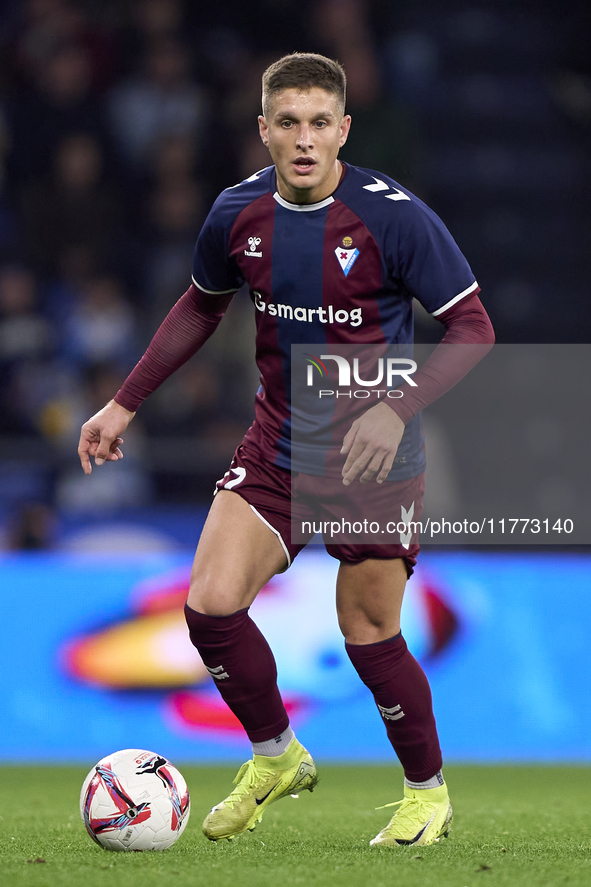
(345, 127)
(264, 130)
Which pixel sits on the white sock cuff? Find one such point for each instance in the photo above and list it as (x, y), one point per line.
(435, 782)
(272, 748)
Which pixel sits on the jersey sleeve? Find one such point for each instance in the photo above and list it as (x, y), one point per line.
(214, 270)
(469, 336)
(186, 327)
(426, 258)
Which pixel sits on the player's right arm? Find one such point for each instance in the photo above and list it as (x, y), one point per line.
(187, 326)
(184, 330)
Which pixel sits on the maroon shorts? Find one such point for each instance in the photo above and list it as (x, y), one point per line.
(298, 507)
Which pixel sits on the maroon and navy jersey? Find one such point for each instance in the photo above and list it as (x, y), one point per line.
(343, 271)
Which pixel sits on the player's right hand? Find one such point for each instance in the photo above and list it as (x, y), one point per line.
(100, 437)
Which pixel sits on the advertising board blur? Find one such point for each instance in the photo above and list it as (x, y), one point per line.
(95, 656)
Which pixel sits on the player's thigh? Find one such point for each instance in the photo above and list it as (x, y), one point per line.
(369, 599)
(236, 556)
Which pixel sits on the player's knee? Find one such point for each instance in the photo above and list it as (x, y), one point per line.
(359, 627)
(211, 601)
(215, 595)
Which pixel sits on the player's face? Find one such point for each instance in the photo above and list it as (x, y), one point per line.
(303, 132)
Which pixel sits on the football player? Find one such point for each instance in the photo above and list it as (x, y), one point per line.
(333, 256)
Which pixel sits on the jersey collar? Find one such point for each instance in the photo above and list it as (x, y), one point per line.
(302, 207)
(307, 207)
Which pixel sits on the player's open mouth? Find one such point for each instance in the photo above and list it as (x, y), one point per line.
(303, 164)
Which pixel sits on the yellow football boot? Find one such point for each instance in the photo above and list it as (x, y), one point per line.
(260, 782)
(423, 817)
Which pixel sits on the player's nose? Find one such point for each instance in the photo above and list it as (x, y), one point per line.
(304, 139)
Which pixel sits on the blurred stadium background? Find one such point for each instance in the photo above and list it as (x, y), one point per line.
(119, 124)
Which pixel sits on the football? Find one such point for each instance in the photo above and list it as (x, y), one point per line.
(134, 800)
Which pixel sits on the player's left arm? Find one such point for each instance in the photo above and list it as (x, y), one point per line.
(373, 440)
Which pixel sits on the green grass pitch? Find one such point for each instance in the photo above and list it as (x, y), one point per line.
(513, 826)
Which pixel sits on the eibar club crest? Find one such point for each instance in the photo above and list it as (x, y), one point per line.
(253, 243)
(345, 255)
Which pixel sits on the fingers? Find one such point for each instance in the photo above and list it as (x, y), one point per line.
(99, 437)
(360, 458)
(371, 445)
(102, 452)
(88, 447)
(115, 453)
(354, 463)
(83, 449)
(349, 438)
(353, 468)
(364, 462)
(363, 459)
(380, 464)
(108, 451)
(386, 468)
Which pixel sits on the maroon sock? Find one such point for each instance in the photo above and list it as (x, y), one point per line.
(401, 692)
(240, 661)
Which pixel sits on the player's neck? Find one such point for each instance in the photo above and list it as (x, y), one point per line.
(311, 195)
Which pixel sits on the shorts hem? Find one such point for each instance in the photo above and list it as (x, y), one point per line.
(277, 533)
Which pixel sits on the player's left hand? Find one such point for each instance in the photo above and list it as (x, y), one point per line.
(371, 444)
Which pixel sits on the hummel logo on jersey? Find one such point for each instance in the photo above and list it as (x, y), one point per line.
(253, 242)
(391, 714)
(218, 673)
(346, 258)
